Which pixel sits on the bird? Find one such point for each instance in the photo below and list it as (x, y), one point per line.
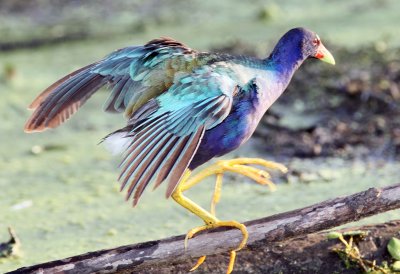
(183, 108)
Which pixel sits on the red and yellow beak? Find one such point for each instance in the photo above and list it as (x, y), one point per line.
(324, 55)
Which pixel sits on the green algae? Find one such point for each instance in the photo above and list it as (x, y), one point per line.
(58, 189)
(88, 213)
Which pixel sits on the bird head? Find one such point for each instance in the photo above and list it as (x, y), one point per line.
(299, 44)
(312, 46)
(315, 48)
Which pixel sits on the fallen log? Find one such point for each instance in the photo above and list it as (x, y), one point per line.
(311, 253)
(169, 255)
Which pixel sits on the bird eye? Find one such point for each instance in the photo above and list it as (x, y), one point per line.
(316, 42)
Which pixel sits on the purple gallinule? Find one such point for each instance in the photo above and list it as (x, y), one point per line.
(184, 107)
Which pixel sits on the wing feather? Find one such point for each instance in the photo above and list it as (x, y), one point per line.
(183, 160)
(42, 96)
(140, 162)
(110, 105)
(133, 74)
(169, 114)
(43, 117)
(141, 149)
(167, 131)
(69, 98)
(147, 173)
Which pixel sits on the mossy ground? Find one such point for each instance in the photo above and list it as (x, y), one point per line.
(64, 200)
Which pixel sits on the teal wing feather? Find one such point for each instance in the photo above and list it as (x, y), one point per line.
(134, 75)
(165, 138)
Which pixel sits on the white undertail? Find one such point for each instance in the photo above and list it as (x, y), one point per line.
(117, 143)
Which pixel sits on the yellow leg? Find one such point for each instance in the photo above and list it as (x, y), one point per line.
(177, 195)
(238, 165)
(217, 193)
(211, 223)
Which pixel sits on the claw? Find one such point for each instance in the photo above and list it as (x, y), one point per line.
(232, 258)
(199, 263)
(194, 231)
(259, 176)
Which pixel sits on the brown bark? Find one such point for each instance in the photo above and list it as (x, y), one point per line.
(168, 255)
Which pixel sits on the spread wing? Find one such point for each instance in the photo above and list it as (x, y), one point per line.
(163, 141)
(133, 74)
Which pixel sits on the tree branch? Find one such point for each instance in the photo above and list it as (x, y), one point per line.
(162, 253)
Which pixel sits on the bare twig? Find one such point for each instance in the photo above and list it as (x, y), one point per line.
(10, 248)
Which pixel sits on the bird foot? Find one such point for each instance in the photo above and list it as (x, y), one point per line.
(217, 224)
(240, 166)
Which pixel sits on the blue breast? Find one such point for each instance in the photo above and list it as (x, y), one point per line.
(231, 133)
